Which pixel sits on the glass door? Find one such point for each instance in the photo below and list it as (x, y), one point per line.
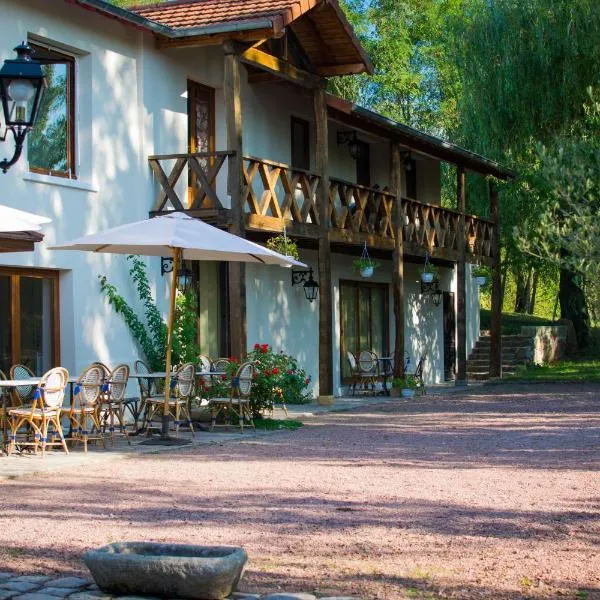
(29, 319)
(364, 320)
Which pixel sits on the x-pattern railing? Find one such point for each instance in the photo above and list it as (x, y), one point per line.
(361, 209)
(277, 190)
(201, 170)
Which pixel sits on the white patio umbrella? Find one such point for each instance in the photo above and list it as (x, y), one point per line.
(182, 238)
(12, 219)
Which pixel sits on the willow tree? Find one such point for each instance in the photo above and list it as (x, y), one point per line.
(524, 69)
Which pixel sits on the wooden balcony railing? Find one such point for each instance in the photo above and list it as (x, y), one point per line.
(193, 176)
(360, 209)
(275, 194)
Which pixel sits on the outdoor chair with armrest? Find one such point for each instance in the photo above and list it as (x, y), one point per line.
(182, 385)
(358, 377)
(85, 410)
(417, 375)
(44, 412)
(238, 401)
(369, 366)
(113, 401)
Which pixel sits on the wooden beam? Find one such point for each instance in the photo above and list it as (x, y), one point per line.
(255, 35)
(398, 260)
(349, 69)
(283, 69)
(461, 304)
(496, 320)
(325, 287)
(237, 272)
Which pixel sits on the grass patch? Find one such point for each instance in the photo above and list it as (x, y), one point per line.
(512, 322)
(564, 370)
(276, 424)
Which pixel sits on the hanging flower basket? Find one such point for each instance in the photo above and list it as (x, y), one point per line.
(480, 276)
(427, 277)
(364, 265)
(284, 245)
(429, 272)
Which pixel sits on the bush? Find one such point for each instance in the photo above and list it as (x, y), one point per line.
(277, 379)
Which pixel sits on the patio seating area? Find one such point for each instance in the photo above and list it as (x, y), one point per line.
(372, 374)
(95, 410)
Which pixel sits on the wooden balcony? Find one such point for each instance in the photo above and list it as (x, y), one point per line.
(275, 195)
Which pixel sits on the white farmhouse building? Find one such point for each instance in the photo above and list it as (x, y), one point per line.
(218, 108)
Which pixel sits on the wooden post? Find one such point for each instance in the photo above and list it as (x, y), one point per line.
(398, 264)
(237, 270)
(496, 320)
(325, 293)
(461, 304)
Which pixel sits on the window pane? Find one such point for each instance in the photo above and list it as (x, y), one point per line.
(377, 321)
(348, 316)
(36, 324)
(210, 308)
(364, 341)
(5, 324)
(49, 139)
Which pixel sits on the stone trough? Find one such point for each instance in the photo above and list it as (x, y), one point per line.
(167, 570)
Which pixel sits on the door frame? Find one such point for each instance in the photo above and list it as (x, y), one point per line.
(15, 273)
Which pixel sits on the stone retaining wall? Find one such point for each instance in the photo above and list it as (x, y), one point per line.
(548, 343)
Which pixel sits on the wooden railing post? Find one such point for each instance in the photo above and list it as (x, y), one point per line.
(398, 263)
(461, 304)
(496, 317)
(325, 297)
(237, 271)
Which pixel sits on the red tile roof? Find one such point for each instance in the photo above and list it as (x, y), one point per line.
(182, 14)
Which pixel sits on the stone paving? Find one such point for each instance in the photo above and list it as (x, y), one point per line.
(14, 586)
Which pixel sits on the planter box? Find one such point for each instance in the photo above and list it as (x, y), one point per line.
(167, 570)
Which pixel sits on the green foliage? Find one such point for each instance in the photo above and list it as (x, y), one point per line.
(277, 424)
(150, 332)
(512, 322)
(565, 371)
(405, 383)
(284, 245)
(277, 379)
(360, 264)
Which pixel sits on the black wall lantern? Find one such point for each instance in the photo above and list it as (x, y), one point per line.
(350, 138)
(432, 291)
(311, 287)
(22, 85)
(184, 275)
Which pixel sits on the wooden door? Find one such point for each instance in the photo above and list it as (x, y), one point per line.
(201, 131)
(449, 337)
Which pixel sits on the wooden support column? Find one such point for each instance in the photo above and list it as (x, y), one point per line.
(325, 292)
(496, 320)
(398, 264)
(461, 304)
(237, 270)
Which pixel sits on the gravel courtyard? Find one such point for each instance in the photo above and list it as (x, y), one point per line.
(494, 494)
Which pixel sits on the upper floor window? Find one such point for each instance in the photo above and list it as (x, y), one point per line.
(51, 143)
(300, 144)
(363, 163)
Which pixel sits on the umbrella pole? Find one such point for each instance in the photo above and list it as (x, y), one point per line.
(165, 418)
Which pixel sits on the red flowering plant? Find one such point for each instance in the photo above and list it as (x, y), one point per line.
(278, 379)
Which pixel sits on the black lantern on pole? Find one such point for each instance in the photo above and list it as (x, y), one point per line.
(22, 85)
(184, 279)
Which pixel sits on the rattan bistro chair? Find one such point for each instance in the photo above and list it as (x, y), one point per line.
(23, 394)
(182, 385)
(113, 401)
(238, 402)
(85, 410)
(362, 372)
(43, 413)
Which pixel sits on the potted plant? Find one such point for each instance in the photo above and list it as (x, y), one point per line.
(480, 275)
(407, 385)
(284, 245)
(429, 272)
(365, 266)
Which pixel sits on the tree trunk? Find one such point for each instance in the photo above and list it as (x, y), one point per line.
(520, 292)
(527, 293)
(534, 286)
(504, 278)
(573, 305)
